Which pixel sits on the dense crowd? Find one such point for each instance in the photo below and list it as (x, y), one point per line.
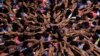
(49, 27)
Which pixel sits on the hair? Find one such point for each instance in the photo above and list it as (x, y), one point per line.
(2, 48)
(86, 46)
(8, 43)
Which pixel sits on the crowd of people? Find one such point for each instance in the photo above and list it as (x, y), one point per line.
(49, 27)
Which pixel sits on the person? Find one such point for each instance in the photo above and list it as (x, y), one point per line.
(49, 28)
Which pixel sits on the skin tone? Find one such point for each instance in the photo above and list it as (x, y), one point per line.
(59, 16)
